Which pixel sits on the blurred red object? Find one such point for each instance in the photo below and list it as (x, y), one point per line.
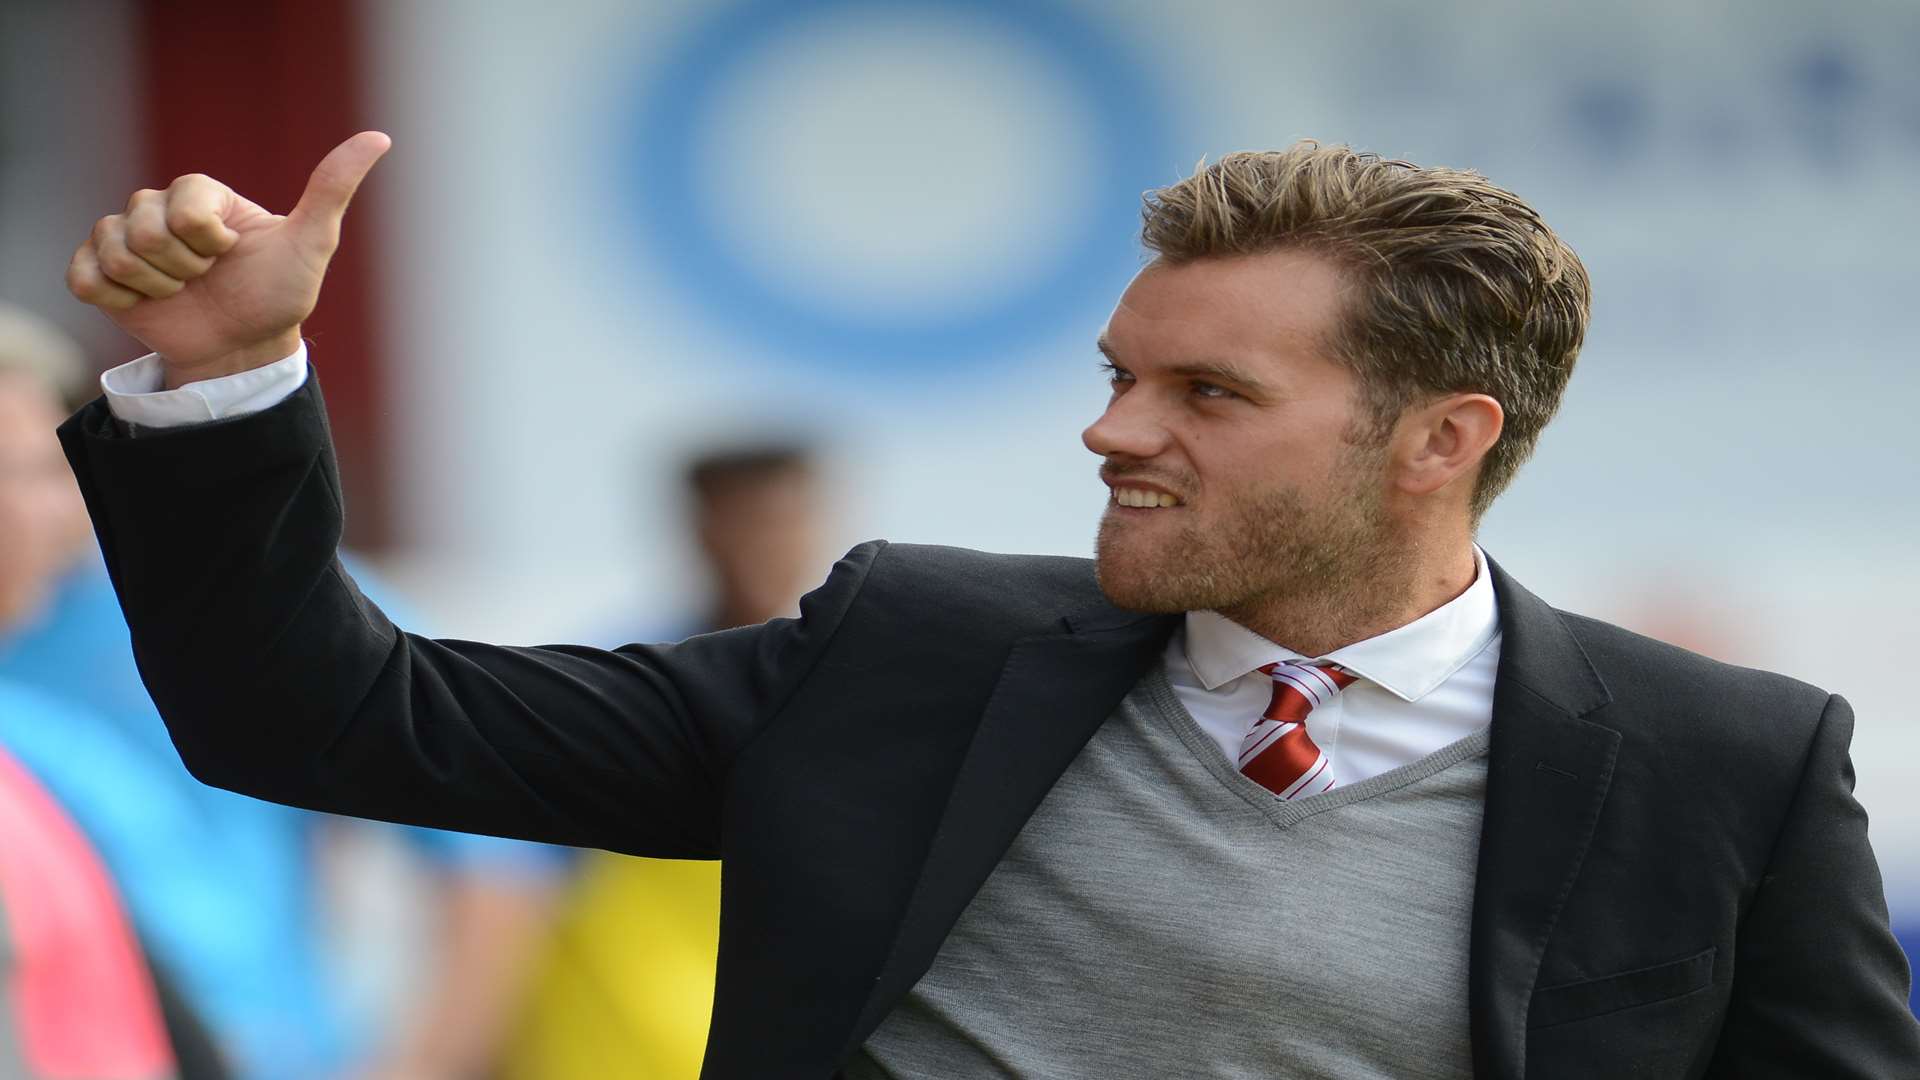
(253, 93)
(84, 1003)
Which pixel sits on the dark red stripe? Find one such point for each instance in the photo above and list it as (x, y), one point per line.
(255, 92)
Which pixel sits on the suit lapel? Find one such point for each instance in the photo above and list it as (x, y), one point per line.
(1054, 691)
(1547, 776)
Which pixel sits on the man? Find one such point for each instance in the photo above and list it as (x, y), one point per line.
(77, 994)
(627, 985)
(1291, 781)
(758, 513)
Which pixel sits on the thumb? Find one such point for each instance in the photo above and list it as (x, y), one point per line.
(322, 206)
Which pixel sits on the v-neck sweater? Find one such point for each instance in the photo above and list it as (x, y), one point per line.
(1162, 915)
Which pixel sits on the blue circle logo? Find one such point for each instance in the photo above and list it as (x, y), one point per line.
(1048, 248)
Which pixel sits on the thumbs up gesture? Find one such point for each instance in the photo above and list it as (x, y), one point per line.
(212, 282)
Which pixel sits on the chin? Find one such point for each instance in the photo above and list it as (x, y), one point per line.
(1128, 595)
(1135, 580)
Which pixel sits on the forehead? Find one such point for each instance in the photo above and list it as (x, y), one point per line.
(1275, 302)
(28, 416)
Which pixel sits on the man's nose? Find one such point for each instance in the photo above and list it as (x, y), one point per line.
(1129, 428)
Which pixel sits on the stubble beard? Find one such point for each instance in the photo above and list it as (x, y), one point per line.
(1269, 560)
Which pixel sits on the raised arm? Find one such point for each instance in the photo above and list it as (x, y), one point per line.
(275, 676)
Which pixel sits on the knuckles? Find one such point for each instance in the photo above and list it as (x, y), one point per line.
(86, 283)
(112, 268)
(147, 237)
(120, 263)
(80, 282)
(184, 223)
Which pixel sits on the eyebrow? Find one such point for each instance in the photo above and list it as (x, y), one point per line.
(1218, 370)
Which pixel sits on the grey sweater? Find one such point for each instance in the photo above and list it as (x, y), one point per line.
(1163, 916)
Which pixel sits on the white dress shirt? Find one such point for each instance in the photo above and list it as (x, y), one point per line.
(134, 395)
(1422, 686)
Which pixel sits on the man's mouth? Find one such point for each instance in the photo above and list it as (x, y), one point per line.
(1140, 498)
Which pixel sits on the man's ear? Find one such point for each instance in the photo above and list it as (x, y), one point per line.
(1443, 441)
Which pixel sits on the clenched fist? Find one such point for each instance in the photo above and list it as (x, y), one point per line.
(212, 282)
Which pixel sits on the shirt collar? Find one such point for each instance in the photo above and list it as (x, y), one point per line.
(1409, 661)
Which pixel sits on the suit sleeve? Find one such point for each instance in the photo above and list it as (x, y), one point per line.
(278, 679)
(1820, 984)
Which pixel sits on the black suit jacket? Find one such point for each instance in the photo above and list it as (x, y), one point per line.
(1674, 878)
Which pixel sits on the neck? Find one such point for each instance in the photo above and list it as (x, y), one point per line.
(1331, 611)
(739, 608)
(726, 616)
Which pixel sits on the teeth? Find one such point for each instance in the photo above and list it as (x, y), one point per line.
(1141, 498)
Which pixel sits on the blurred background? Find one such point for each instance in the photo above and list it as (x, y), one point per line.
(627, 234)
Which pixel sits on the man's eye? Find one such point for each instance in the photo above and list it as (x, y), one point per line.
(1116, 375)
(1209, 390)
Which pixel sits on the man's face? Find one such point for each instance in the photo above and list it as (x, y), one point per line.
(762, 536)
(1226, 405)
(39, 504)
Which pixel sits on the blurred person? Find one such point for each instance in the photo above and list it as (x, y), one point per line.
(626, 985)
(758, 519)
(1290, 779)
(225, 889)
(44, 528)
(79, 996)
(62, 764)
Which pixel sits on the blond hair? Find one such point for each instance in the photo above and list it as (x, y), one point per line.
(35, 348)
(1461, 287)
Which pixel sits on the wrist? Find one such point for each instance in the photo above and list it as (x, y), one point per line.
(176, 374)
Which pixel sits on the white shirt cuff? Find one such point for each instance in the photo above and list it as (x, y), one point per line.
(134, 394)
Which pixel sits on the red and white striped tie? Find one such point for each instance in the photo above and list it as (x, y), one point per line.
(1278, 754)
